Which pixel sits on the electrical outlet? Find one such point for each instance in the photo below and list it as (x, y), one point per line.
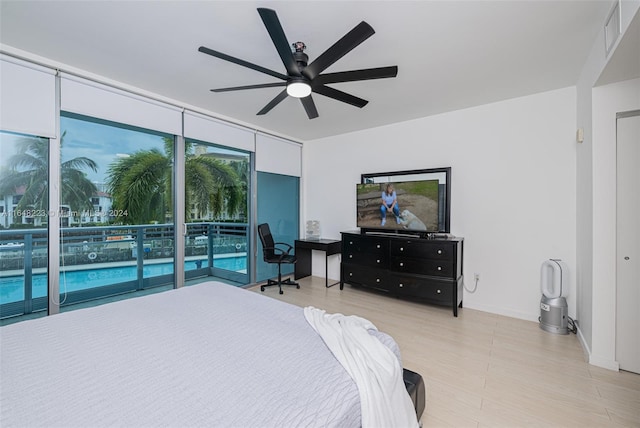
(476, 276)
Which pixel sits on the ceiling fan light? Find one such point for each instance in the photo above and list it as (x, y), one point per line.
(299, 89)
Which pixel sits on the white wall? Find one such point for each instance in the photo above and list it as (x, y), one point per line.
(584, 201)
(592, 333)
(607, 101)
(513, 189)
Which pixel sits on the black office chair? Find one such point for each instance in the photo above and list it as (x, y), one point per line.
(272, 254)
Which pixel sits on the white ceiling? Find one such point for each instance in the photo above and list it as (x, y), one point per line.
(450, 54)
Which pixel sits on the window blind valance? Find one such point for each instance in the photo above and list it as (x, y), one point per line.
(28, 105)
(85, 97)
(204, 128)
(28, 98)
(278, 156)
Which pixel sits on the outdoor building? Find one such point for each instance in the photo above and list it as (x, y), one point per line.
(99, 213)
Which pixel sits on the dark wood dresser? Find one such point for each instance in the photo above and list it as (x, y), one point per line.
(423, 269)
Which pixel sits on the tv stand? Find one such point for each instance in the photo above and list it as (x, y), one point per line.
(423, 269)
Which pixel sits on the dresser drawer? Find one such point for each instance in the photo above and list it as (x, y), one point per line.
(437, 291)
(356, 274)
(369, 245)
(443, 268)
(426, 249)
(365, 259)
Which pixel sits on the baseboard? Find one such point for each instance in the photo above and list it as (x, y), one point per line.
(589, 357)
(604, 363)
(593, 360)
(585, 346)
(502, 311)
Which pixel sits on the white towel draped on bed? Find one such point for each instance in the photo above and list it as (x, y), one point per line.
(373, 366)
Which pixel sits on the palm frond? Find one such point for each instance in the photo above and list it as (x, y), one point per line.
(200, 184)
(80, 163)
(134, 181)
(228, 193)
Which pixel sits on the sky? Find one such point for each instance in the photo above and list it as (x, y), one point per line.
(102, 143)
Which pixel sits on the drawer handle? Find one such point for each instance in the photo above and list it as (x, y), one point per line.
(401, 264)
(401, 285)
(439, 267)
(439, 251)
(350, 273)
(378, 246)
(438, 291)
(350, 256)
(377, 261)
(401, 249)
(377, 279)
(350, 242)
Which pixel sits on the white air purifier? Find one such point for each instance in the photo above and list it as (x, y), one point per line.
(554, 316)
(313, 230)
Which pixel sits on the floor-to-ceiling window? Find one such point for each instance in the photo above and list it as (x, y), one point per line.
(27, 141)
(217, 212)
(117, 230)
(24, 213)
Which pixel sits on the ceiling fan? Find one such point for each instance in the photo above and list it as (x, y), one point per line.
(302, 78)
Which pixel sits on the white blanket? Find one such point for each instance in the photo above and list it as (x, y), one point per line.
(374, 367)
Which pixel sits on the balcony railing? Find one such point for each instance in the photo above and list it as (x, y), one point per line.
(101, 261)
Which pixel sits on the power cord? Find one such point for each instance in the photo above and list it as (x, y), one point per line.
(475, 287)
(573, 326)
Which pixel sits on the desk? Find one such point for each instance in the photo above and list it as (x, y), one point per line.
(303, 248)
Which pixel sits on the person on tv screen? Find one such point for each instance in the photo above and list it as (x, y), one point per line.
(389, 203)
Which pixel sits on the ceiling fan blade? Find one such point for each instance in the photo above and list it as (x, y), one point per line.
(355, 75)
(349, 41)
(272, 23)
(340, 96)
(309, 107)
(259, 86)
(242, 63)
(274, 102)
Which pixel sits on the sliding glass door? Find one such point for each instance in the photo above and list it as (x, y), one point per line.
(117, 229)
(24, 213)
(116, 216)
(217, 212)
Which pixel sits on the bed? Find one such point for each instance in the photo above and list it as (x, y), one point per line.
(205, 355)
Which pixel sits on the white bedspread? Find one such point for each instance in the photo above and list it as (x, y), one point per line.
(206, 355)
(374, 367)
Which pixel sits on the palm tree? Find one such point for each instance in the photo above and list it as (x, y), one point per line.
(241, 168)
(28, 169)
(141, 183)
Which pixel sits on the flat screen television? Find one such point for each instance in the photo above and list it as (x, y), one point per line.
(422, 201)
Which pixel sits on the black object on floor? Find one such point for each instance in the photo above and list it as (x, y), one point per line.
(415, 387)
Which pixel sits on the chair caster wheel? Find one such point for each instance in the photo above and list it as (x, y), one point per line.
(298, 287)
(281, 292)
(261, 288)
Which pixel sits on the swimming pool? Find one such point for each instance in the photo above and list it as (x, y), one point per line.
(12, 288)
